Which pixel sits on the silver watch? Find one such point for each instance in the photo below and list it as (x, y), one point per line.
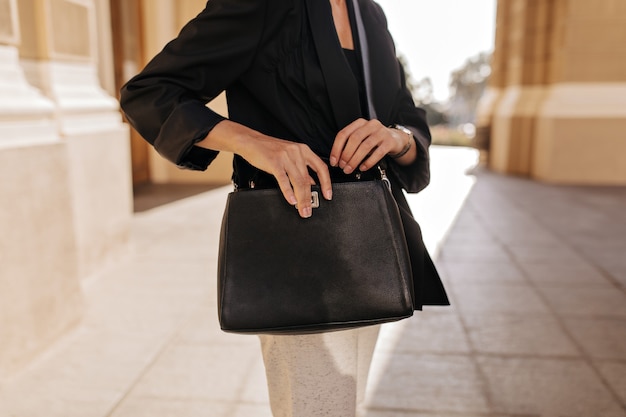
(407, 147)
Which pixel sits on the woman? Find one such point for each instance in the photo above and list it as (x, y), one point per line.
(298, 94)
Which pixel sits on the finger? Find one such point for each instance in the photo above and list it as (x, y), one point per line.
(365, 137)
(341, 139)
(302, 189)
(366, 148)
(285, 187)
(303, 195)
(321, 169)
(376, 156)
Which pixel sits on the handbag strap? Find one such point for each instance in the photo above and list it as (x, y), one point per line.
(365, 55)
(367, 77)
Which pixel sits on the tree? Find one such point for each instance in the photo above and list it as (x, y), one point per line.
(467, 85)
(423, 95)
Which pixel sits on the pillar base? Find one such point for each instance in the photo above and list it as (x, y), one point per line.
(513, 129)
(97, 141)
(81, 105)
(580, 135)
(26, 116)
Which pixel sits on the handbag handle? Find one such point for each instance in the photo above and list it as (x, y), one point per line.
(380, 169)
(315, 198)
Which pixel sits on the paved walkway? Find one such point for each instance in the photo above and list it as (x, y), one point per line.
(536, 273)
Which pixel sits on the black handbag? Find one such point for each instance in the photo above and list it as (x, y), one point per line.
(346, 266)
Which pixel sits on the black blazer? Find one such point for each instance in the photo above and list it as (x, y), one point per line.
(285, 75)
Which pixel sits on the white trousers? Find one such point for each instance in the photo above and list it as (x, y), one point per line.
(321, 374)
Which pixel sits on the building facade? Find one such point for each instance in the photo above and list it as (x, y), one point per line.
(67, 160)
(555, 111)
(64, 164)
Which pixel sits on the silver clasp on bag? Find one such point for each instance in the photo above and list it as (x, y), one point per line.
(315, 200)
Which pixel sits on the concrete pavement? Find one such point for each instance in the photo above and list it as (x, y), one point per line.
(536, 274)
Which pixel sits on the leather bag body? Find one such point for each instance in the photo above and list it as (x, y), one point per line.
(346, 266)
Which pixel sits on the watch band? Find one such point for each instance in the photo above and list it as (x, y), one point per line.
(407, 147)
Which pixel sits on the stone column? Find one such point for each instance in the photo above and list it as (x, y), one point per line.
(60, 56)
(105, 57)
(526, 49)
(40, 294)
(497, 81)
(580, 136)
(26, 115)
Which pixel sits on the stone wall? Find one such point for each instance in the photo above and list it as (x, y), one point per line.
(64, 160)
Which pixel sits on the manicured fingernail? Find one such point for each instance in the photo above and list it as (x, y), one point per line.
(342, 164)
(347, 169)
(307, 212)
(333, 161)
(292, 200)
(363, 168)
(328, 194)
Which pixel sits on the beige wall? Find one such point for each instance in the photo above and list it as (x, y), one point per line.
(556, 105)
(40, 294)
(66, 194)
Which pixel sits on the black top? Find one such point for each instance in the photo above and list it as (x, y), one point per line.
(285, 75)
(357, 71)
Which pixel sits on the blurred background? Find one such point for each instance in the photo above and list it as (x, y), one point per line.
(104, 296)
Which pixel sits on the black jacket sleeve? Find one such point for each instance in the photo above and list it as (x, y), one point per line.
(166, 101)
(416, 176)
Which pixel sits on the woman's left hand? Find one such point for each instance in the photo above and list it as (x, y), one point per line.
(363, 143)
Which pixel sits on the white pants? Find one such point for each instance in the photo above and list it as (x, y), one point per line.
(321, 374)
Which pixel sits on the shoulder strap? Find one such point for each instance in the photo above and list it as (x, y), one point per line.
(366, 58)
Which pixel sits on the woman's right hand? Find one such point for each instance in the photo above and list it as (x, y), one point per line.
(287, 161)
